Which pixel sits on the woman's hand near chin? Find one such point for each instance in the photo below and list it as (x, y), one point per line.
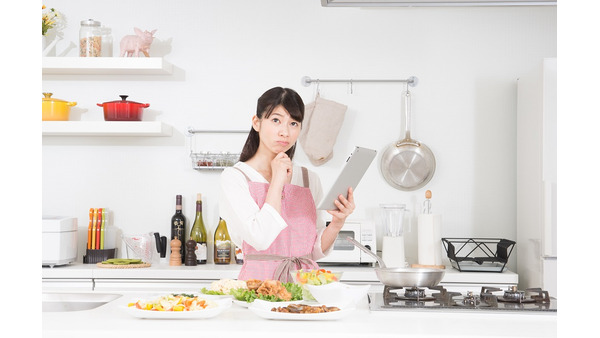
(281, 169)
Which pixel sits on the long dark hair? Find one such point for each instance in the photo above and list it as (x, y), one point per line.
(288, 99)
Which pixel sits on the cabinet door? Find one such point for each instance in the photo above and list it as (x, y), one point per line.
(153, 285)
(67, 284)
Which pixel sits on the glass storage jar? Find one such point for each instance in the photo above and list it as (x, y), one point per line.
(90, 38)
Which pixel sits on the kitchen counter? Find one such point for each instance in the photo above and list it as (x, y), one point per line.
(211, 272)
(110, 320)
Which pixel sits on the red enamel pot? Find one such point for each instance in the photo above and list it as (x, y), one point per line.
(123, 110)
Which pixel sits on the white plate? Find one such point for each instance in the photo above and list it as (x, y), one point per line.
(222, 305)
(268, 314)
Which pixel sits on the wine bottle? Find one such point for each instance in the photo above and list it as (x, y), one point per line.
(222, 244)
(239, 255)
(198, 233)
(178, 226)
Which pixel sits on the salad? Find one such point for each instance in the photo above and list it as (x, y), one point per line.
(174, 302)
(314, 277)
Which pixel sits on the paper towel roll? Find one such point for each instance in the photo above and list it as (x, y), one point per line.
(429, 235)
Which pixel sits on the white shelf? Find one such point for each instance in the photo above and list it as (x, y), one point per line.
(105, 128)
(106, 66)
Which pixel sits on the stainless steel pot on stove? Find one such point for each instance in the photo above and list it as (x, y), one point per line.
(407, 164)
(402, 277)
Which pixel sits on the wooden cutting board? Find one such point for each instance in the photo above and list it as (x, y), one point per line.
(123, 266)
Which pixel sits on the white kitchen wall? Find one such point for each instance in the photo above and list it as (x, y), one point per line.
(227, 53)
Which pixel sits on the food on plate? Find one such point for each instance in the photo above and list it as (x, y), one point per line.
(302, 308)
(317, 277)
(274, 288)
(314, 277)
(224, 287)
(174, 302)
(269, 290)
(253, 284)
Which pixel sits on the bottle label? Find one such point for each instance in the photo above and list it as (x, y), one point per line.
(223, 249)
(201, 251)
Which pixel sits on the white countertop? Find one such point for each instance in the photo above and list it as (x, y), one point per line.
(211, 272)
(110, 320)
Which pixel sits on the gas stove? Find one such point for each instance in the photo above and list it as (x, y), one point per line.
(437, 297)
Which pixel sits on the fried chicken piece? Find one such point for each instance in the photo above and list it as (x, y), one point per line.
(253, 284)
(274, 288)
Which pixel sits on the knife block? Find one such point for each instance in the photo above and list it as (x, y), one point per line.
(95, 256)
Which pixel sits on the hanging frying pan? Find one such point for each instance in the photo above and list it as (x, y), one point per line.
(407, 164)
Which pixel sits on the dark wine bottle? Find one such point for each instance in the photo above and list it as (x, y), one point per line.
(222, 244)
(178, 226)
(198, 233)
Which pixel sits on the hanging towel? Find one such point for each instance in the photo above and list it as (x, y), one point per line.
(323, 120)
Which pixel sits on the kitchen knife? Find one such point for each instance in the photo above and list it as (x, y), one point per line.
(98, 227)
(90, 227)
(103, 229)
(94, 229)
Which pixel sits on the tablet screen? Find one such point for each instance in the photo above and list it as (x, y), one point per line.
(353, 171)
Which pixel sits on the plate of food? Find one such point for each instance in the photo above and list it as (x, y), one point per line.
(302, 312)
(178, 306)
(269, 291)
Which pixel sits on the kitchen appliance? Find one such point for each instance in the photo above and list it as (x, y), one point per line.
(123, 110)
(55, 109)
(407, 164)
(439, 297)
(59, 240)
(537, 234)
(344, 252)
(392, 251)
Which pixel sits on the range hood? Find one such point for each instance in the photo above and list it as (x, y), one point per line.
(434, 3)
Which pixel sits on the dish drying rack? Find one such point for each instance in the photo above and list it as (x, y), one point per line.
(478, 254)
(212, 160)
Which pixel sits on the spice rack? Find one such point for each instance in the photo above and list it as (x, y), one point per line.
(212, 160)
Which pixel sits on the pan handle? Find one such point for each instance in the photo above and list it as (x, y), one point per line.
(363, 248)
(407, 114)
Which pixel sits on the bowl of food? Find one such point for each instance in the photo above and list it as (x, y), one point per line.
(314, 277)
(338, 293)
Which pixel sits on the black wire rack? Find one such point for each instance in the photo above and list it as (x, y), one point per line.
(478, 254)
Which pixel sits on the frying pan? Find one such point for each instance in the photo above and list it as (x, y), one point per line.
(407, 164)
(402, 277)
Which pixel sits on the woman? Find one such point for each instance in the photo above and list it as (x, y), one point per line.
(269, 204)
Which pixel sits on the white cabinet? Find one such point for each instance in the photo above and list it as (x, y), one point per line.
(536, 177)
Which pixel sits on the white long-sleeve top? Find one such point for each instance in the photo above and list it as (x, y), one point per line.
(259, 227)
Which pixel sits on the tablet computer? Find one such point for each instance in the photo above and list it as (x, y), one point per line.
(353, 171)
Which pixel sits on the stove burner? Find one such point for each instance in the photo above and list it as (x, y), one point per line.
(471, 300)
(512, 295)
(413, 296)
(393, 298)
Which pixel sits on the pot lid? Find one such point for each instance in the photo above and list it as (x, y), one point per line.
(48, 97)
(123, 100)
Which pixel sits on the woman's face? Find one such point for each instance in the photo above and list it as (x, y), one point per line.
(278, 132)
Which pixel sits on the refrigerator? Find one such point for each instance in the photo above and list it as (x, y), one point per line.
(536, 247)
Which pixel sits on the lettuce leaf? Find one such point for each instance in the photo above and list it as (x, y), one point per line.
(211, 292)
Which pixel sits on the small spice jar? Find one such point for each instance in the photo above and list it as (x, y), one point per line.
(90, 38)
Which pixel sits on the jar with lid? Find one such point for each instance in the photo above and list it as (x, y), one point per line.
(107, 41)
(90, 38)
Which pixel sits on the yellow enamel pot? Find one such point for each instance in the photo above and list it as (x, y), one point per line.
(55, 109)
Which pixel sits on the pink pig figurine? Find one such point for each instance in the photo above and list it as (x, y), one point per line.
(134, 44)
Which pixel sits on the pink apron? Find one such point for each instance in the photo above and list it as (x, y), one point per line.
(292, 248)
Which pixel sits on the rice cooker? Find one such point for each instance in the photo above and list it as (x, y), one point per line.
(59, 240)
